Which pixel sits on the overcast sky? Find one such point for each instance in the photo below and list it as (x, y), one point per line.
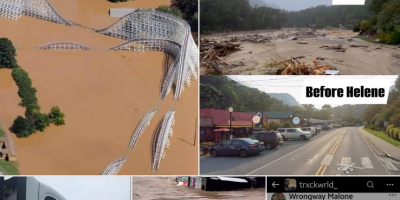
(293, 84)
(297, 4)
(89, 187)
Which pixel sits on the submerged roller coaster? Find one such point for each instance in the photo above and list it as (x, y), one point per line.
(143, 30)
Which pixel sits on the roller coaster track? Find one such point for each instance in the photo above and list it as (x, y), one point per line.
(64, 46)
(144, 30)
(40, 9)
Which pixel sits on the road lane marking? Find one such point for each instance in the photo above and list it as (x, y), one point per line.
(312, 159)
(327, 160)
(379, 159)
(322, 167)
(346, 161)
(389, 165)
(290, 152)
(366, 163)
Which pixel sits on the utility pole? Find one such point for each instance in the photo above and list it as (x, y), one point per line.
(308, 108)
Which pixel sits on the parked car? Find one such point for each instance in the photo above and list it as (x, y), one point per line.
(240, 146)
(331, 126)
(294, 133)
(338, 126)
(312, 130)
(318, 128)
(325, 127)
(271, 139)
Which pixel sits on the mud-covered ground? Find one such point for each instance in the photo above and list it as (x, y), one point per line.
(376, 59)
(152, 188)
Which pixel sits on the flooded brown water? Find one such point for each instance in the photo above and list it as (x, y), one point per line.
(152, 188)
(103, 95)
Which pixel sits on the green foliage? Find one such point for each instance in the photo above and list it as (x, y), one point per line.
(384, 137)
(35, 120)
(327, 16)
(41, 122)
(273, 126)
(376, 5)
(238, 15)
(210, 97)
(7, 54)
(237, 95)
(391, 37)
(287, 124)
(56, 116)
(21, 127)
(389, 130)
(171, 10)
(389, 17)
(364, 25)
(396, 133)
(189, 9)
(25, 89)
(356, 28)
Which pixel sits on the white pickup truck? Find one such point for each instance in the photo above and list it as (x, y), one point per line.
(294, 133)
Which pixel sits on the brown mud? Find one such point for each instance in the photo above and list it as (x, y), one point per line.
(152, 188)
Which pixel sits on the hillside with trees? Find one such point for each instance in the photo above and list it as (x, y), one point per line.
(235, 15)
(376, 115)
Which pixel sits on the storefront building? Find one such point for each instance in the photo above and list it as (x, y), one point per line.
(215, 125)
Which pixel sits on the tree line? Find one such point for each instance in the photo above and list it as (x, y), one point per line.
(384, 23)
(220, 92)
(34, 120)
(377, 115)
(234, 15)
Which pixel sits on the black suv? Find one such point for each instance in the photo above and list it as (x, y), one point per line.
(271, 139)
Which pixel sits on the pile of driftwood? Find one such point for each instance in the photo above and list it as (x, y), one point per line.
(291, 66)
(255, 38)
(337, 48)
(211, 52)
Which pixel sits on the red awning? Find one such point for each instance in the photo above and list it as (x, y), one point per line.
(222, 129)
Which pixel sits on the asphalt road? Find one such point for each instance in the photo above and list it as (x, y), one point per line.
(341, 151)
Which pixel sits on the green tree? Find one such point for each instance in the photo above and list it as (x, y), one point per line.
(376, 5)
(170, 10)
(41, 122)
(7, 54)
(273, 126)
(56, 116)
(389, 17)
(210, 97)
(21, 127)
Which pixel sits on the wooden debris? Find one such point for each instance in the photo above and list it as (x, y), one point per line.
(291, 66)
(354, 45)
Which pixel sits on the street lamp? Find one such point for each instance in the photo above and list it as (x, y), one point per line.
(230, 122)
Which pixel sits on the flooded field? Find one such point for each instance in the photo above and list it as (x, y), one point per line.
(103, 95)
(165, 188)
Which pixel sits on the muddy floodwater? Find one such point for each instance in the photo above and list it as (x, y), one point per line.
(152, 188)
(103, 94)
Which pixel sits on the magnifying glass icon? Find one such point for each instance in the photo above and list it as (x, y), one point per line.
(370, 184)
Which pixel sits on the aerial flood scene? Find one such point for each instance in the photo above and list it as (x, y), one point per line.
(112, 108)
(282, 37)
(198, 188)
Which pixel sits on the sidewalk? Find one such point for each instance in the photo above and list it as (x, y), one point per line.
(388, 148)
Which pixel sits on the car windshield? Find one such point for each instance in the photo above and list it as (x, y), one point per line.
(297, 129)
(254, 136)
